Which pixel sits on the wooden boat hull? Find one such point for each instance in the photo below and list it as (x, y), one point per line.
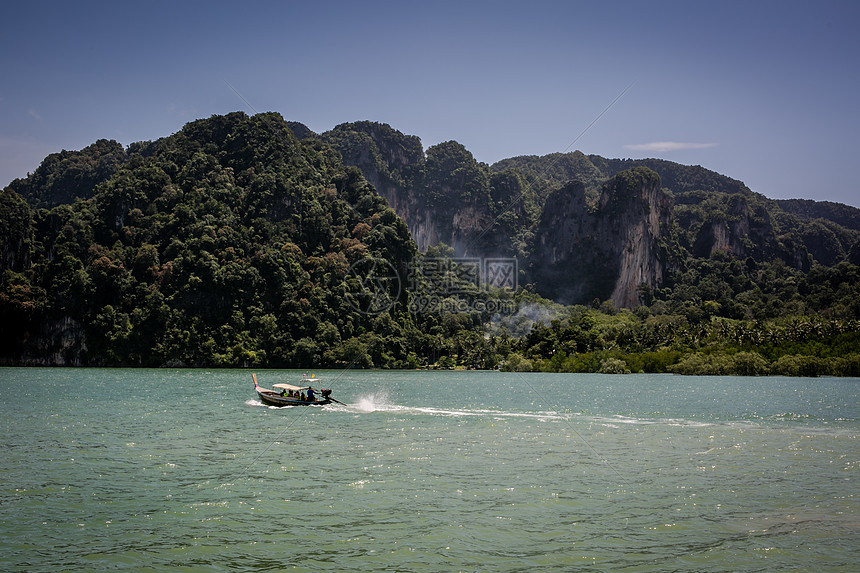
(275, 399)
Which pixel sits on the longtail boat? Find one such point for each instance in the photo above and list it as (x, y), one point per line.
(294, 395)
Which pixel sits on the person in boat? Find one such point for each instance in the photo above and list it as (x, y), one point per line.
(311, 394)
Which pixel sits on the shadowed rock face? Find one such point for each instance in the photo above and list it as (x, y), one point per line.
(605, 238)
(393, 163)
(578, 253)
(608, 252)
(443, 197)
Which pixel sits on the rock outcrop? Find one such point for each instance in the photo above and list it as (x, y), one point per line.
(393, 163)
(444, 197)
(608, 252)
(605, 238)
(16, 233)
(576, 253)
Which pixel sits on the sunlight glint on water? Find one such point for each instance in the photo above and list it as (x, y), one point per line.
(427, 471)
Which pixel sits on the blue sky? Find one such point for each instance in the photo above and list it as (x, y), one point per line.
(764, 92)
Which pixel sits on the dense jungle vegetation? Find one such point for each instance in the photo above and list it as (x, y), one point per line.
(232, 243)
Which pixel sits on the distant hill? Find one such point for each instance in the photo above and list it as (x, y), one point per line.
(843, 215)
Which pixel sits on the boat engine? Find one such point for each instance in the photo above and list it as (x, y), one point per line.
(325, 393)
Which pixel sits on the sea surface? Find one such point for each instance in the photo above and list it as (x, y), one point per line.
(185, 470)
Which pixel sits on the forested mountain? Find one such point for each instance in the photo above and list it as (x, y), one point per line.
(254, 241)
(842, 215)
(229, 242)
(715, 212)
(68, 175)
(445, 196)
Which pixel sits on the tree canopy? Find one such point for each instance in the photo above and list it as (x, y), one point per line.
(235, 243)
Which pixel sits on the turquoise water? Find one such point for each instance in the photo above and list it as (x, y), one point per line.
(150, 470)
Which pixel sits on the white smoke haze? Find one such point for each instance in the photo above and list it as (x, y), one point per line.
(521, 323)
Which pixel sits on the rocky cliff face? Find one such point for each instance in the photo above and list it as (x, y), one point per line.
(742, 228)
(595, 240)
(608, 252)
(739, 232)
(16, 233)
(443, 197)
(393, 163)
(577, 252)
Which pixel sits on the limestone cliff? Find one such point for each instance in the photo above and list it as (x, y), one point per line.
(576, 253)
(740, 226)
(739, 231)
(444, 197)
(16, 233)
(606, 252)
(602, 239)
(393, 163)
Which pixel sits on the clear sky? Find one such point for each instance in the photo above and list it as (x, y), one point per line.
(761, 91)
